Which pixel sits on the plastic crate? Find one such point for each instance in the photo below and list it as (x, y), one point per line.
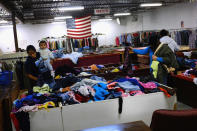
(6, 78)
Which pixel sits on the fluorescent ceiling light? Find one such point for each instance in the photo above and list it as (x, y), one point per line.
(105, 19)
(150, 4)
(58, 23)
(64, 17)
(3, 22)
(122, 14)
(71, 8)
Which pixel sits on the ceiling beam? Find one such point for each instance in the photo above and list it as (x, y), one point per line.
(6, 5)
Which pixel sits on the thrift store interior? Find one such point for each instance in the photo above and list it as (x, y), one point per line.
(98, 65)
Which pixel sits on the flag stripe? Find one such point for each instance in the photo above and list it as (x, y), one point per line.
(83, 26)
(82, 22)
(78, 30)
(89, 26)
(77, 34)
(83, 18)
(79, 37)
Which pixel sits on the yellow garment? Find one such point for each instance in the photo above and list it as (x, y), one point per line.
(154, 66)
(57, 77)
(94, 67)
(115, 70)
(46, 105)
(42, 90)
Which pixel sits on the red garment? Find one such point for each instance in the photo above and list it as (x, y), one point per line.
(119, 90)
(117, 41)
(165, 92)
(135, 34)
(15, 121)
(81, 98)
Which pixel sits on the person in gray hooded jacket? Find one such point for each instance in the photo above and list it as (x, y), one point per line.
(165, 39)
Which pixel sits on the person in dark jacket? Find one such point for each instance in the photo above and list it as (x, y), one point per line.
(31, 69)
(164, 55)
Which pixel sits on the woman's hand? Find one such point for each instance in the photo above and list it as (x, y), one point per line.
(130, 48)
(154, 58)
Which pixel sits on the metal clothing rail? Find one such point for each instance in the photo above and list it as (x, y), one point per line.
(13, 58)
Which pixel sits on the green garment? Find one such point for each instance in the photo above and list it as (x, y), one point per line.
(169, 60)
(154, 66)
(42, 90)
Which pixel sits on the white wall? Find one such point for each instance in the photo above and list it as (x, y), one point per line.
(169, 17)
(164, 17)
(110, 28)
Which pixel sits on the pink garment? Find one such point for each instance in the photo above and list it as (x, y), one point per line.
(135, 93)
(125, 94)
(117, 41)
(48, 44)
(28, 109)
(149, 85)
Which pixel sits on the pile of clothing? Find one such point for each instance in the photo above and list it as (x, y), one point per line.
(71, 89)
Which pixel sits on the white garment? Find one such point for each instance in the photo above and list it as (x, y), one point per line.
(195, 81)
(46, 53)
(73, 56)
(188, 54)
(171, 43)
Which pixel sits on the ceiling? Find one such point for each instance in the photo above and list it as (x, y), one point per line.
(43, 11)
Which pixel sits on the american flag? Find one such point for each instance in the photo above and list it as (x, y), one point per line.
(79, 28)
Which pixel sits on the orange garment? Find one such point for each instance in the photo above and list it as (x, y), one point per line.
(94, 67)
(66, 89)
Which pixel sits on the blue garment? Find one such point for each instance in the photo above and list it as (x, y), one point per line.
(128, 86)
(129, 38)
(133, 81)
(146, 51)
(100, 66)
(42, 65)
(76, 44)
(100, 91)
(120, 39)
(67, 98)
(114, 94)
(97, 78)
(190, 62)
(58, 54)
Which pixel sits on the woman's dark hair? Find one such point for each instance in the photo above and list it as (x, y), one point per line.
(154, 41)
(163, 33)
(30, 47)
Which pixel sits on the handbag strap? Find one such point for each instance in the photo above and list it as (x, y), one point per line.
(158, 48)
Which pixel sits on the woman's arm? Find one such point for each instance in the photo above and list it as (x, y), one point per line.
(30, 76)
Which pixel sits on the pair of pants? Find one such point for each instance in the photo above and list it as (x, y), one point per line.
(48, 64)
